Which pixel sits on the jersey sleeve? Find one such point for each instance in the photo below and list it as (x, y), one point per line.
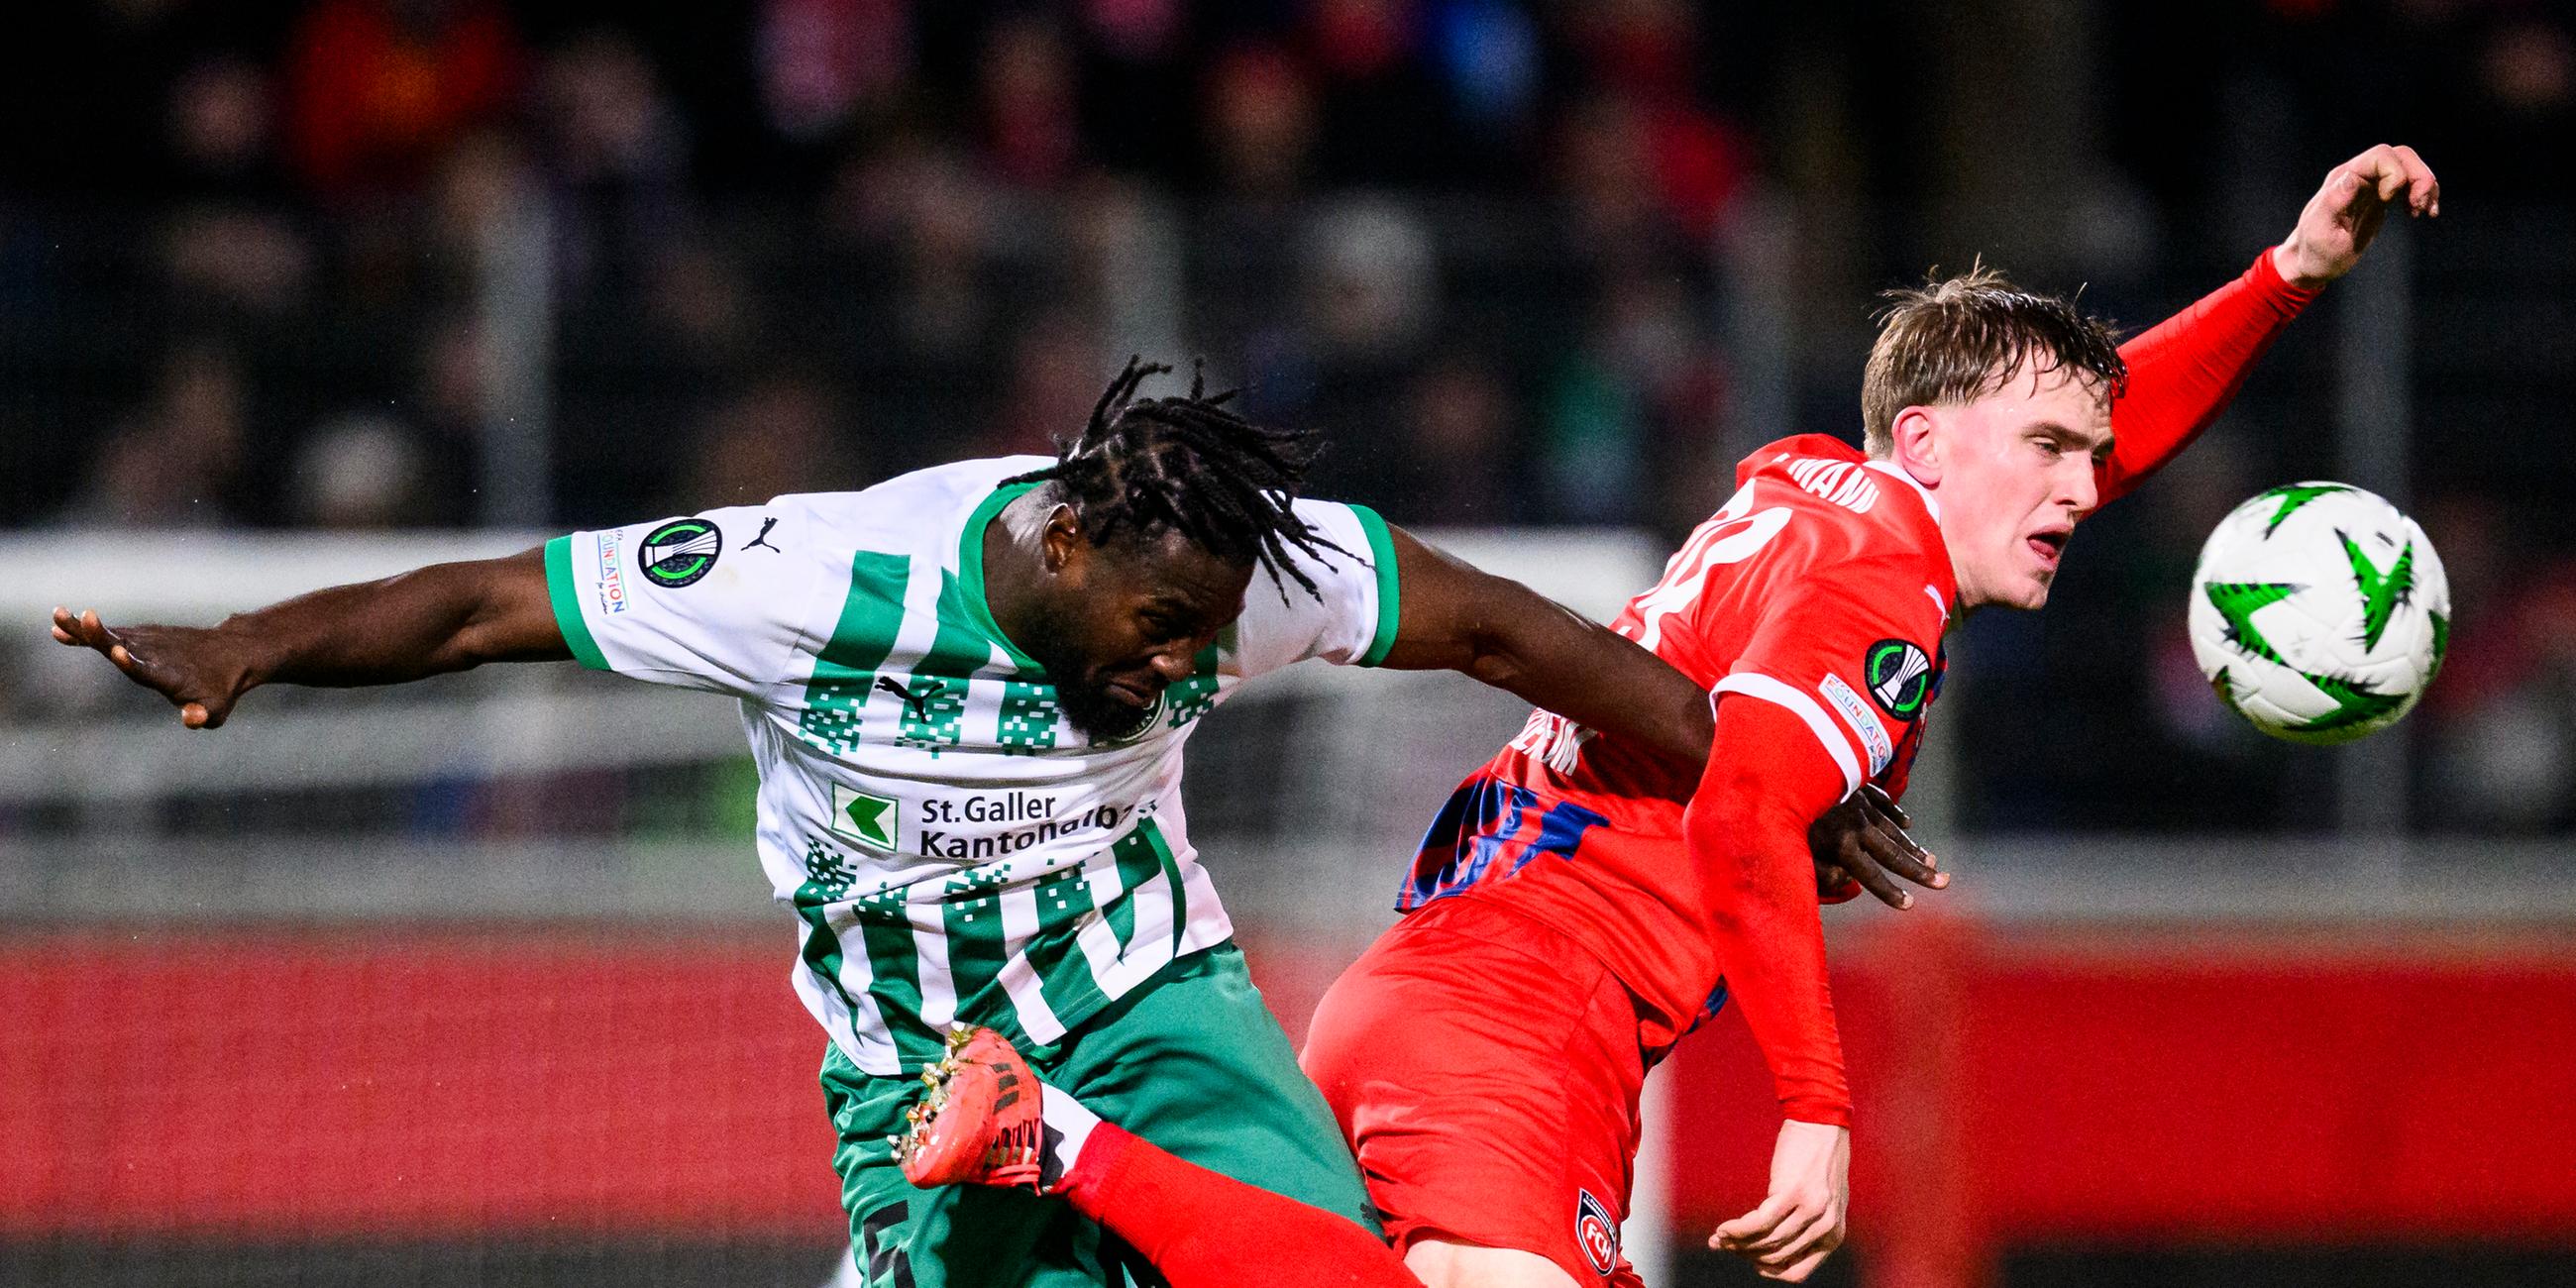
(1849, 650)
(2185, 370)
(1348, 619)
(1747, 831)
(1821, 698)
(715, 601)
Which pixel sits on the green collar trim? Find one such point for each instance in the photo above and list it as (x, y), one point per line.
(970, 572)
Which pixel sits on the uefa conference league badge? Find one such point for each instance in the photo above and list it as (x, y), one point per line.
(680, 552)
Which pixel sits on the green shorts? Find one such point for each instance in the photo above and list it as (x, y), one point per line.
(1191, 1061)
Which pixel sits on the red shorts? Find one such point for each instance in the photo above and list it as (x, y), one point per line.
(1485, 1070)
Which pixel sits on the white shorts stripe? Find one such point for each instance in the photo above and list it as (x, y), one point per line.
(1754, 684)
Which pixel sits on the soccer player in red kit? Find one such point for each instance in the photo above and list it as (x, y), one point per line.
(1614, 902)
(1580, 905)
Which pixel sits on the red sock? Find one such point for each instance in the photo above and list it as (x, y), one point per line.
(1203, 1229)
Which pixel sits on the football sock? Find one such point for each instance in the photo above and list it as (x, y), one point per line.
(1203, 1229)
(1068, 1126)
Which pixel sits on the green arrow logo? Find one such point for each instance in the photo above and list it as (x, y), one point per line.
(2292, 496)
(870, 820)
(2381, 593)
(2355, 703)
(2237, 600)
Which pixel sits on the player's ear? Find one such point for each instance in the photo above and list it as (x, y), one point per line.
(1917, 449)
(1062, 545)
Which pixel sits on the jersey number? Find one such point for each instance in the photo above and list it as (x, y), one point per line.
(1732, 535)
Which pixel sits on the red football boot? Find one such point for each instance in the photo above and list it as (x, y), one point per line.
(980, 1123)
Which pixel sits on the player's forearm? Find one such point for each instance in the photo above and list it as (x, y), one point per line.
(1458, 618)
(1746, 828)
(442, 618)
(1561, 662)
(1771, 946)
(2185, 370)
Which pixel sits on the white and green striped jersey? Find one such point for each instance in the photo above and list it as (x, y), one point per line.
(953, 850)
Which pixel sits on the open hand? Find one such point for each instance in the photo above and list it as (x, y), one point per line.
(2338, 223)
(192, 667)
(1800, 1223)
(1857, 844)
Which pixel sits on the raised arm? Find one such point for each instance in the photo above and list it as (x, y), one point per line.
(2184, 370)
(445, 617)
(1458, 618)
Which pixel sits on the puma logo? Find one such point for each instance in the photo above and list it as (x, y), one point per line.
(917, 705)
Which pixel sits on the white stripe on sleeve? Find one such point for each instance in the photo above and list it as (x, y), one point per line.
(1754, 684)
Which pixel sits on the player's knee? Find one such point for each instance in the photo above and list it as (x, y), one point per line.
(1441, 1264)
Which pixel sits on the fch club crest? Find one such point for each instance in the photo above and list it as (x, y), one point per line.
(1596, 1232)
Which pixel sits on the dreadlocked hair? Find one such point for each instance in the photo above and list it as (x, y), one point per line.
(1190, 465)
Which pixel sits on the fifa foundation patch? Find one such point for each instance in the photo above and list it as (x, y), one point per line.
(608, 569)
(680, 552)
(1863, 722)
(1596, 1232)
(1899, 677)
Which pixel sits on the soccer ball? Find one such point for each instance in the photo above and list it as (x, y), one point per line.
(2319, 612)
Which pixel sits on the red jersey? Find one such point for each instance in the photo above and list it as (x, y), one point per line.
(1822, 586)
(1818, 594)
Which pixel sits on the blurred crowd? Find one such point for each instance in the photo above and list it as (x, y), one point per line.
(801, 244)
(359, 264)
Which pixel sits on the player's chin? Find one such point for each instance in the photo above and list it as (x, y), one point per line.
(2033, 592)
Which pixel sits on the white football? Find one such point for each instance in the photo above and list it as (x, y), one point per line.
(2319, 612)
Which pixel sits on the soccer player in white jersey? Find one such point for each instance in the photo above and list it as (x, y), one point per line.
(967, 691)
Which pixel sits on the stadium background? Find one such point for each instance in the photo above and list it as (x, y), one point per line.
(472, 983)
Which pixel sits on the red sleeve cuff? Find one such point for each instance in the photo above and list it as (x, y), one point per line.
(1831, 1113)
(2276, 290)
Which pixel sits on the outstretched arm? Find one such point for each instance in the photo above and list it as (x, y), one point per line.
(1496, 630)
(2184, 371)
(446, 617)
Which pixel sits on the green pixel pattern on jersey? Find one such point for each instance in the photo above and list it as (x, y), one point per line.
(976, 946)
(1137, 858)
(1194, 695)
(828, 878)
(1030, 715)
(847, 667)
(976, 949)
(935, 710)
(952, 848)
